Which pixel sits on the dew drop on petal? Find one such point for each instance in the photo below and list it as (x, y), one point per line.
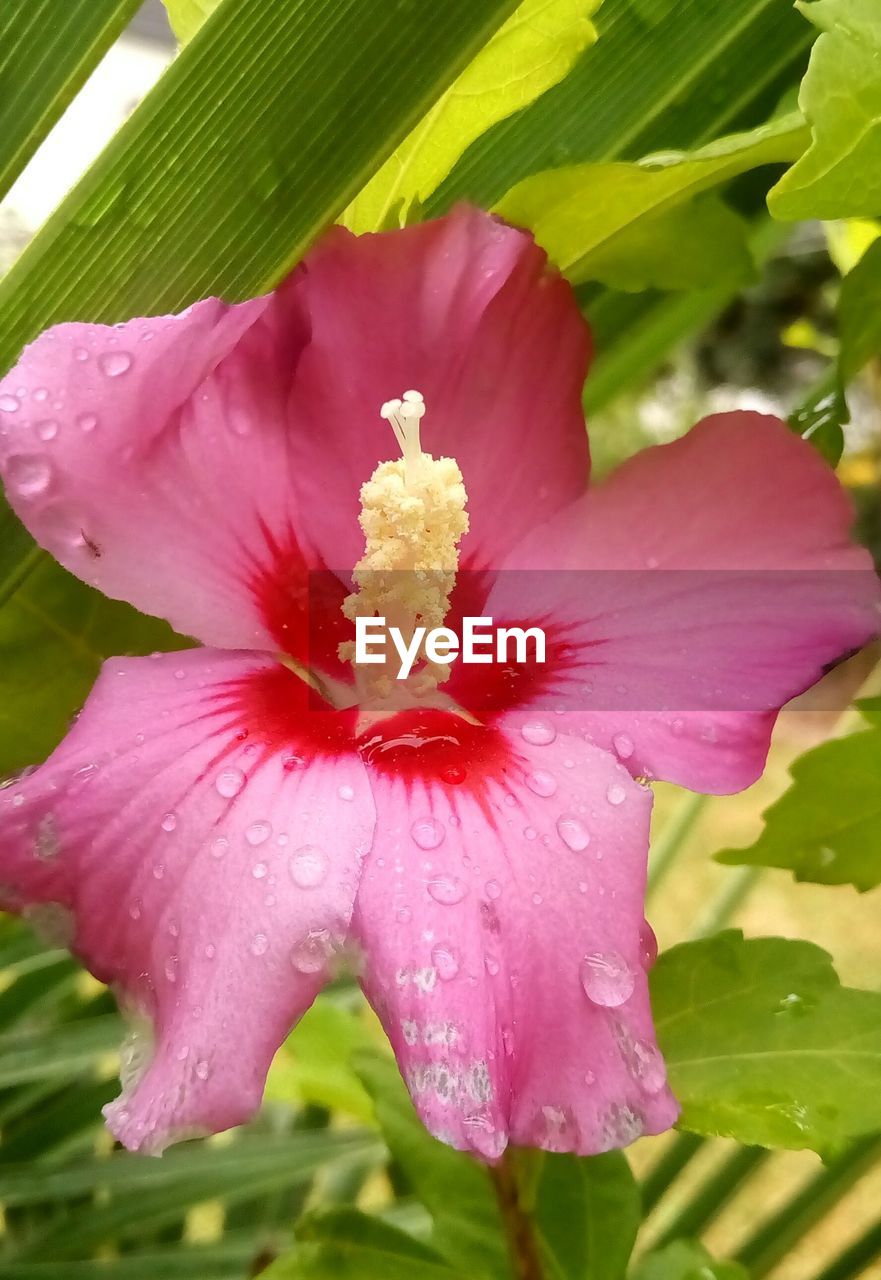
(541, 782)
(87, 422)
(258, 833)
(493, 889)
(202, 1070)
(114, 363)
(311, 953)
(616, 794)
(9, 404)
(169, 821)
(47, 430)
(80, 354)
(446, 961)
(229, 782)
(346, 793)
(28, 474)
(447, 890)
(648, 945)
(308, 867)
(259, 944)
(573, 832)
(258, 871)
(538, 733)
(219, 847)
(623, 745)
(491, 965)
(427, 833)
(454, 775)
(607, 978)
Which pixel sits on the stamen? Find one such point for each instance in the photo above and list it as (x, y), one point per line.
(413, 516)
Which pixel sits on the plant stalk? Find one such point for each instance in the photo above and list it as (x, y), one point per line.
(517, 1220)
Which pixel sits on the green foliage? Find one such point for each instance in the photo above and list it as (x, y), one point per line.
(859, 313)
(764, 1045)
(642, 225)
(343, 1244)
(820, 419)
(686, 1260)
(587, 1214)
(187, 16)
(315, 1063)
(532, 51)
(827, 827)
(840, 176)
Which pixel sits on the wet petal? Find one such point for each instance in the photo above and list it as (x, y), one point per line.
(191, 833)
(501, 918)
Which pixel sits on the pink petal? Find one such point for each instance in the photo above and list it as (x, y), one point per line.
(202, 870)
(153, 460)
(703, 586)
(465, 310)
(501, 919)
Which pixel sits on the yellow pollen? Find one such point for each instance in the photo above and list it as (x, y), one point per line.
(413, 516)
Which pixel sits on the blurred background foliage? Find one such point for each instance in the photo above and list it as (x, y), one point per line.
(160, 176)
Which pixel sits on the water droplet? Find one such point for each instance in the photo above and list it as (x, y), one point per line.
(308, 867)
(210, 951)
(403, 915)
(607, 978)
(427, 833)
(28, 474)
(169, 822)
(259, 869)
(616, 794)
(573, 832)
(202, 1070)
(80, 354)
(114, 363)
(171, 969)
(346, 793)
(87, 422)
(259, 944)
(623, 745)
(311, 954)
(710, 733)
(538, 733)
(677, 728)
(9, 404)
(47, 430)
(541, 782)
(158, 871)
(135, 910)
(447, 890)
(493, 889)
(446, 962)
(454, 775)
(491, 965)
(229, 783)
(258, 833)
(219, 847)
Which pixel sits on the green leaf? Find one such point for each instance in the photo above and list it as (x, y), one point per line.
(187, 16)
(47, 50)
(827, 827)
(533, 50)
(764, 1045)
(859, 313)
(61, 1053)
(453, 1187)
(343, 1244)
(615, 222)
(587, 1215)
(314, 1064)
(840, 176)
(821, 418)
(54, 634)
(686, 1260)
(870, 708)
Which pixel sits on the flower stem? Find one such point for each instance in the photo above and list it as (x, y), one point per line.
(515, 1210)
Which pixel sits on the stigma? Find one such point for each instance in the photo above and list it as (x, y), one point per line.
(413, 517)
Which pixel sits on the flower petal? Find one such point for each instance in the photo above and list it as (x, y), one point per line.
(686, 600)
(465, 310)
(153, 460)
(502, 925)
(205, 872)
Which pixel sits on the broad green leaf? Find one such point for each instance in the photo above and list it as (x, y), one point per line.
(859, 313)
(764, 1045)
(453, 1187)
(642, 89)
(533, 50)
(343, 1244)
(820, 419)
(827, 827)
(187, 16)
(611, 221)
(587, 1215)
(54, 634)
(47, 50)
(686, 1260)
(840, 176)
(314, 1064)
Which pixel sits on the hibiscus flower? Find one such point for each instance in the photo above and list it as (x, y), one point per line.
(220, 822)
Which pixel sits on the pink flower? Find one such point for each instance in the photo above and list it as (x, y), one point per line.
(213, 835)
